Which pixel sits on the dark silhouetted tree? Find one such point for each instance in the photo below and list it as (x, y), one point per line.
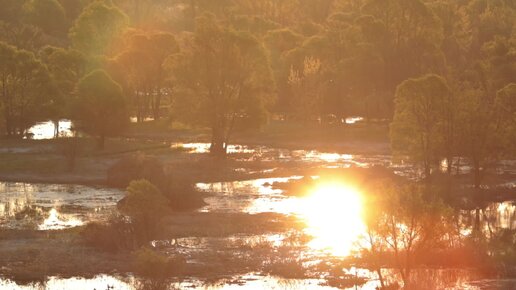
(100, 108)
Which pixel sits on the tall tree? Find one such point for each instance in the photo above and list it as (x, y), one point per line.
(417, 128)
(142, 67)
(66, 66)
(97, 27)
(100, 108)
(505, 104)
(225, 81)
(48, 15)
(26, 86)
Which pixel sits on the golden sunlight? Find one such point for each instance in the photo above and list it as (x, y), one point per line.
(333, 215)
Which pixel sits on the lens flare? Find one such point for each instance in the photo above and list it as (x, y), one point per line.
(332, 213)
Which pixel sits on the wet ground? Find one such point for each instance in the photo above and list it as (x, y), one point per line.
(54, 206)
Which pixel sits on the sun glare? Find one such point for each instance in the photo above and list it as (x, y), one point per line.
(333, 216)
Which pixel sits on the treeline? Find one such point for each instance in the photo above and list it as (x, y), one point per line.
(226, 64)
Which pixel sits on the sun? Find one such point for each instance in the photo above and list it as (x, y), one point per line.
(333, 214)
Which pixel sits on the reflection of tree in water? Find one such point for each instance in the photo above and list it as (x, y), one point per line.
(494, 218)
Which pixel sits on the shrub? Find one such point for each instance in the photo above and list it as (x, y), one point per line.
(113, 236)
(135, 167)
(184, 197)
(155, 268)
(145, 205)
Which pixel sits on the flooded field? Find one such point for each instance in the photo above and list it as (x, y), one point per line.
(440, 279)
(333, 233)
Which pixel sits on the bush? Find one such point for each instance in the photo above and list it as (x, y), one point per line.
(114, 236)
(145, 205)
(155, 268)
(184, 197)
(135, 167)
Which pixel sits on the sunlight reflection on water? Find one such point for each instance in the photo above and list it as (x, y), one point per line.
(57, 221)
(45, 130)
(332, 212)
(23, 204)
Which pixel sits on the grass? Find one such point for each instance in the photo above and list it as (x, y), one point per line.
(296, 132)
(276, 133)
(32, 163)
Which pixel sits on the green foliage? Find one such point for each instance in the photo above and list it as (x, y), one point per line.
(505, 104)
(151, 264)
(155, 268)
(223, 82)
(418, 127)
(114, 236)
(407, 219)
(99, 24)
(26, 87)
(48, 15)
(67, 67)
(140, 67)
(145, 205)
(100, 108)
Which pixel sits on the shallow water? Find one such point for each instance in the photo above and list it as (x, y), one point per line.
(46, 130)
(54, 206)
(450, 279)
(51, 207)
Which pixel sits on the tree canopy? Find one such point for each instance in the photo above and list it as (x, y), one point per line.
(224, 82)
(100, 107)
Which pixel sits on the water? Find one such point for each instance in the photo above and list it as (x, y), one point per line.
(99, 282)
(46, 130)
(54, 206)
(450, 279)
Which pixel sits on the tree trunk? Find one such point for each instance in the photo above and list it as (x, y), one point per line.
(449, 165)
(56, 129)
(477, 197)
(217, 146)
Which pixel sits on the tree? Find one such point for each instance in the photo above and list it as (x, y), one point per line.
(26, 86)
(141, 67)
(223, 81)
(48, 15)
(100, 108)
(145, 205)
(306, 84)
(407, 35)
(505, 104)
(278, 42)
(67, 67)
(418, 125)
(97, 27)
(407, 220)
